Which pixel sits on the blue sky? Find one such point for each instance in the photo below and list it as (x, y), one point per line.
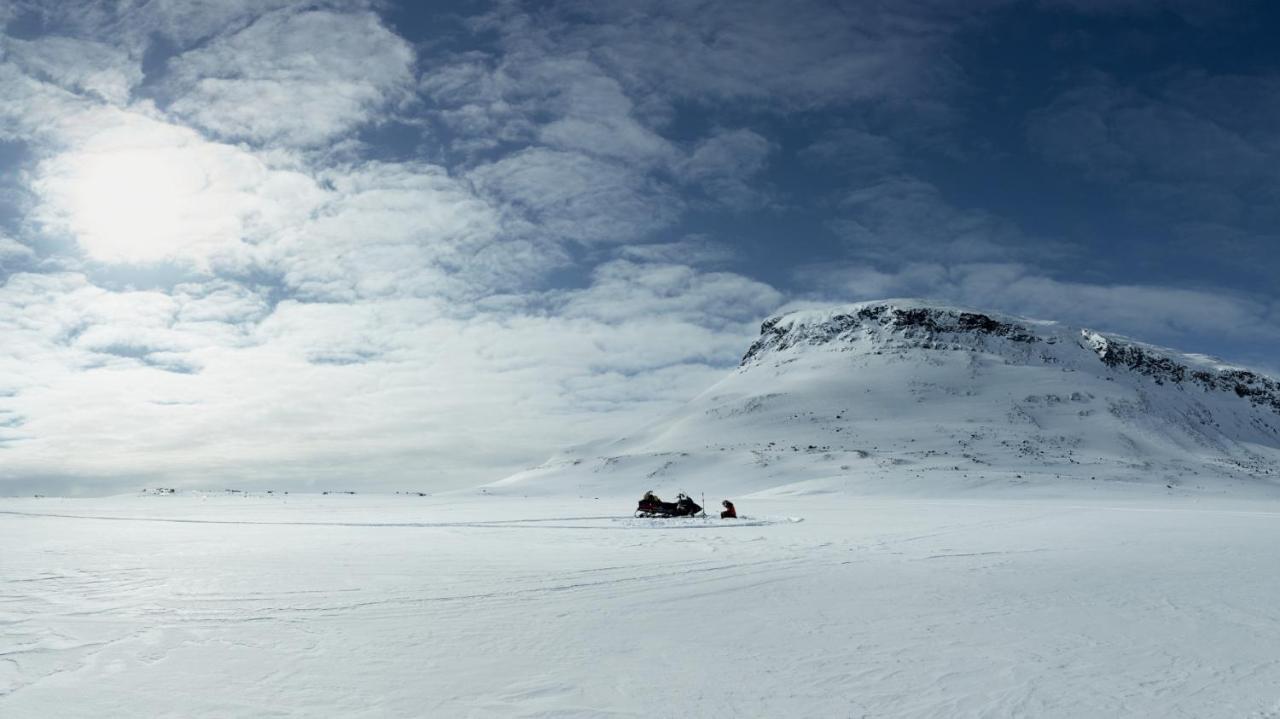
(329, 243)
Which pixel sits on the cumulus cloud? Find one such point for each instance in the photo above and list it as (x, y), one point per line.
(371, 322)
(536, 94)
(593, 114)
(573, 163)
(13, 252)
(135, 26)
(576, 197)
(626, 291)
(396, 391)
(556, 143)
(406, 229)
(292, 78)
(85, 66)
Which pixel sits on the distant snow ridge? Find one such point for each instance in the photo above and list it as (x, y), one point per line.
(913, 396)
(941, 327)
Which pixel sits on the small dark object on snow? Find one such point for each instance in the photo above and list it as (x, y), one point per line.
(729, 511)
(651, 506)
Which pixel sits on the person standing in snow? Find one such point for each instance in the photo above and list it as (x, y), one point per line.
(729, 511)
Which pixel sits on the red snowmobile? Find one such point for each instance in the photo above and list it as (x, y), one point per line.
(651, 506)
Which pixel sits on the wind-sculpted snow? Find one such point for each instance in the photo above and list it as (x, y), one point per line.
(905, 395)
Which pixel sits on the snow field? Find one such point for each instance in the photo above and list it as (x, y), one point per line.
(499, 606)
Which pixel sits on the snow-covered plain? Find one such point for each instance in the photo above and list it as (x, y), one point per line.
(1122, 603)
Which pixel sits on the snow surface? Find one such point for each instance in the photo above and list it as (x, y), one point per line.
(497, 606)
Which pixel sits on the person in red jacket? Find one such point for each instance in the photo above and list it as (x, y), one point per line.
(729, 511)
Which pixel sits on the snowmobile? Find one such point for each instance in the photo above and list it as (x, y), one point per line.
(651, 506)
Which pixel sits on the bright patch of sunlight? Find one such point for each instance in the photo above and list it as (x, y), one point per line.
(139, 191)
(140, 205)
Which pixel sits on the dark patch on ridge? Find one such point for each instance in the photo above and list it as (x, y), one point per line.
(914, 322)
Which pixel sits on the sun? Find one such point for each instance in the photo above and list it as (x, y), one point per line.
(133, 205)
(150, 193)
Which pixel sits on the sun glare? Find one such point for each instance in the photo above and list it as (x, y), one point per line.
(135, 205)
(143, 192)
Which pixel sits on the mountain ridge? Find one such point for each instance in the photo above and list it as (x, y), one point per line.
(936, 320)
(897, 394)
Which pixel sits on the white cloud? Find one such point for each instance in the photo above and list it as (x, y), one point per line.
(362, 322)
(577, 166)
(593, 113)
(13, 252)
(33, 109)
(533, 94)
(401, 366)
(292, 78)
(389, 392)
(405, 230)
(625, 291)
(134, 26)
(102, 70)
(219, 301)
(571, 196)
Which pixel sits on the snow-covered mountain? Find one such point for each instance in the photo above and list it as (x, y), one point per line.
(911, 396)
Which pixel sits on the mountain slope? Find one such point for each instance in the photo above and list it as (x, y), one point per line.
(904, 395)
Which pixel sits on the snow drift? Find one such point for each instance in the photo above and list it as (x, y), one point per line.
(905, 395)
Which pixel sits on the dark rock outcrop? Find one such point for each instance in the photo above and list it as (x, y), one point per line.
(918, 323)
(1118, 354)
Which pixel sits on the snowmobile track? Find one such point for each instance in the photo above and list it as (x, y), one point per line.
(617, 522)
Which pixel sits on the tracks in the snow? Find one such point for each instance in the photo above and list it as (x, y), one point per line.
(605, 522)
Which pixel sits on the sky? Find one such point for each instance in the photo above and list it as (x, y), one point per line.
(376, 245)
